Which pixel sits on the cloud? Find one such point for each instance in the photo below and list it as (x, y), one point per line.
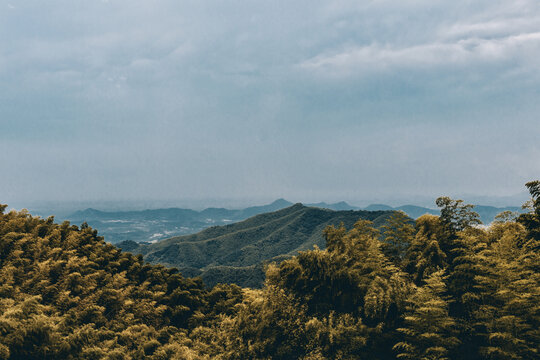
(491, 29)
(271, 93)
(381, 37)
(466, 52)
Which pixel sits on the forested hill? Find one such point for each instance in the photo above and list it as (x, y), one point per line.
(236, 253)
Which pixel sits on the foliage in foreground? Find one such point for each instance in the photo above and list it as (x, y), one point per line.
(443, 288)
(65, 293)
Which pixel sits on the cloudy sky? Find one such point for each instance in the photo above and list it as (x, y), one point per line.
(307, 100)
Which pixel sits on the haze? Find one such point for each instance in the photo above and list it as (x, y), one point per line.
(306, 100)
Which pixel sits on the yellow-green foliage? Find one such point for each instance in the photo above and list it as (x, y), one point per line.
(65, 293)
(429, 331)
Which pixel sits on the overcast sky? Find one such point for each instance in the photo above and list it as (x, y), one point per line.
(307, 100)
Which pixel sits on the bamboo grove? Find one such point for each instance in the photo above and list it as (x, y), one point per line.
(440, 287)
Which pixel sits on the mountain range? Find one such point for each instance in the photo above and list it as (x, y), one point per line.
(158, 224)
(487, 213)
(236, 253)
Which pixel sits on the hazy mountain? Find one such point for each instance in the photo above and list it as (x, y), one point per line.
(378, 207)
(417, 211)
(158, 224)
(152, 225)
(255, 210)
(236, 252)
(342, 205)
(488, 213)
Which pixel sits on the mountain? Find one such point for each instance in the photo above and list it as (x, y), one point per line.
(159, 224)
(342, 205)
(236, 252)
(416, 211)
(488, 213)
(378, 207)
(256, 210)
(153, 225)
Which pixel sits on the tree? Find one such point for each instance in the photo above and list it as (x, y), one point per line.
(506, 216)
(398, 234)
(429, 330)
(455, 215)
(465, 294)
(509, 287)
(531, 220)
(425, 255)
(350, 282)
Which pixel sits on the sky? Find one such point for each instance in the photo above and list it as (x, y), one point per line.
(257, 100)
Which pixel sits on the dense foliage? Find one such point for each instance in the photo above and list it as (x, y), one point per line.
(441, 288)
(65, 293)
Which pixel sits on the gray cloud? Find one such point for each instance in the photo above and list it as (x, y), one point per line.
(460, 53)
(308, 100)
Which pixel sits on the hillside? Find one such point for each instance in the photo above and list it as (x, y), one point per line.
(237, 252)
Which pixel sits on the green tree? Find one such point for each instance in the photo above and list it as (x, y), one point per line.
(455, 215)
(531, 220)
(509, 284)
(352, 277)
(429, 330)
(425, 255)
(464, 290)
(398, 234)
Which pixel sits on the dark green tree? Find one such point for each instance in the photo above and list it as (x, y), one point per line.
(531, 220)
(425, 255)
(398, 234)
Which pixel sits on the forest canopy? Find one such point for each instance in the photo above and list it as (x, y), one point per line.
(442, 287)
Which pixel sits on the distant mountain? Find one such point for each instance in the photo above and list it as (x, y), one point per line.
(157, 214)
(416, 211)
(487, 213)
(336, 206)
(159, 224)
(237, 252)
(153, 225)
(378, 207)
